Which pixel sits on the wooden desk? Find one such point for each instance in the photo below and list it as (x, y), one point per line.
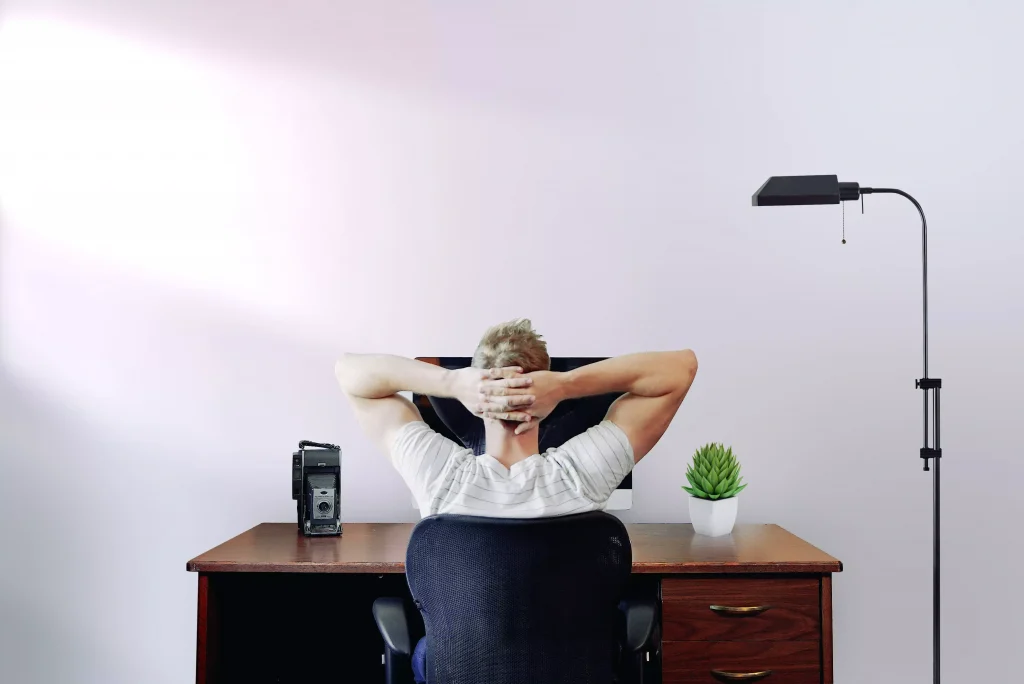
(272, 603)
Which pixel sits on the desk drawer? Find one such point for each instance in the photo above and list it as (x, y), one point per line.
(740, 609)
(710, 662)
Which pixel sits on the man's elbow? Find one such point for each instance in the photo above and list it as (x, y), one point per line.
(689, 360)
(342, 371)
(687, 368)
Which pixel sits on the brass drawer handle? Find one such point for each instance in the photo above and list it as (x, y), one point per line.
(740, 676)
(739, 611)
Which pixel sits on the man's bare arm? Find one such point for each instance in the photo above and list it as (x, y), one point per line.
(646, 374)
(655, 384)
(372, 383)
(375, 376)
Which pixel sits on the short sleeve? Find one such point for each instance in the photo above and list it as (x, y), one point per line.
(423, 458)
(601, 458)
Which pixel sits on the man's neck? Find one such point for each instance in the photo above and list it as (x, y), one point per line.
(508, 448)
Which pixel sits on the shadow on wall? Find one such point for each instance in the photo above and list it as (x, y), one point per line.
(141, 426)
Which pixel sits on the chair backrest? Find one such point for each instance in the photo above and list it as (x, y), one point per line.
(511, 601)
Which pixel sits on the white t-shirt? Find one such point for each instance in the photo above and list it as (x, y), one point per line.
(446, 477)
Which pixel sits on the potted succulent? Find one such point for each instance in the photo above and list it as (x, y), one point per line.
(714, 477)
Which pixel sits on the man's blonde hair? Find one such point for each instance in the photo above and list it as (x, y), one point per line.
(513, 343)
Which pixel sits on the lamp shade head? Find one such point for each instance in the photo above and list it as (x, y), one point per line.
(779, 191)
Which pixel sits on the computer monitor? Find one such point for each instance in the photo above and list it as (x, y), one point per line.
(570, 418)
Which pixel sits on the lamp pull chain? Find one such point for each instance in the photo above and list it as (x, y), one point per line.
(843, 207)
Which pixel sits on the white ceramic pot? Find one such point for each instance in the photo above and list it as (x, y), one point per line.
(713, 518)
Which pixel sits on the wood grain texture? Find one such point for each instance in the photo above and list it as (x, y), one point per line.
(826, 629)
(380, 548)
(278, 547)
(674, 548)
(207, 632)
(794, 612)
(692, 662)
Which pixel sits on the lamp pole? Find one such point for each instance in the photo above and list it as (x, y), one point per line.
(803, 190)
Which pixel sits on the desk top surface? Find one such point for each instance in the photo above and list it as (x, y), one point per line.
(661, 548)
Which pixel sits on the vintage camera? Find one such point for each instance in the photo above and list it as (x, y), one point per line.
(316, 488)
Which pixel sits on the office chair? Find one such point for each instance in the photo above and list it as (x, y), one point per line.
(513, 601)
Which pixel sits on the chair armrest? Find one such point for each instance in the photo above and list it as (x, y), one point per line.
(389, 614)
(641, 619)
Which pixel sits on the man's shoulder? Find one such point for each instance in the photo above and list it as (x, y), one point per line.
(417, 435)
(604, 433)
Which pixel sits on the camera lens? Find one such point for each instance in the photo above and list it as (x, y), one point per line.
(324, 506)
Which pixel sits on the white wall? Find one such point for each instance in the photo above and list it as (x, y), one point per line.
(203, 203)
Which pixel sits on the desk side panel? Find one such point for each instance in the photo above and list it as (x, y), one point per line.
(207, 631)
(826, 629)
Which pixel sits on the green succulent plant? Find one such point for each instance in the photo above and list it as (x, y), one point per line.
(714, 473)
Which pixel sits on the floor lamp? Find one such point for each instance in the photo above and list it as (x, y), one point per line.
(801, 190)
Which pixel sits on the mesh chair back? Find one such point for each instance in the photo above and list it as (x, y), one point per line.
(516, 601)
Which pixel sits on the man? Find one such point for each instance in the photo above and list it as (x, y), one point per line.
(510, 387)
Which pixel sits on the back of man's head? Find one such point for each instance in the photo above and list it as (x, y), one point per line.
(513, 343)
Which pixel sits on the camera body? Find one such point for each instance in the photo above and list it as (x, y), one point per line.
(316, 488)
